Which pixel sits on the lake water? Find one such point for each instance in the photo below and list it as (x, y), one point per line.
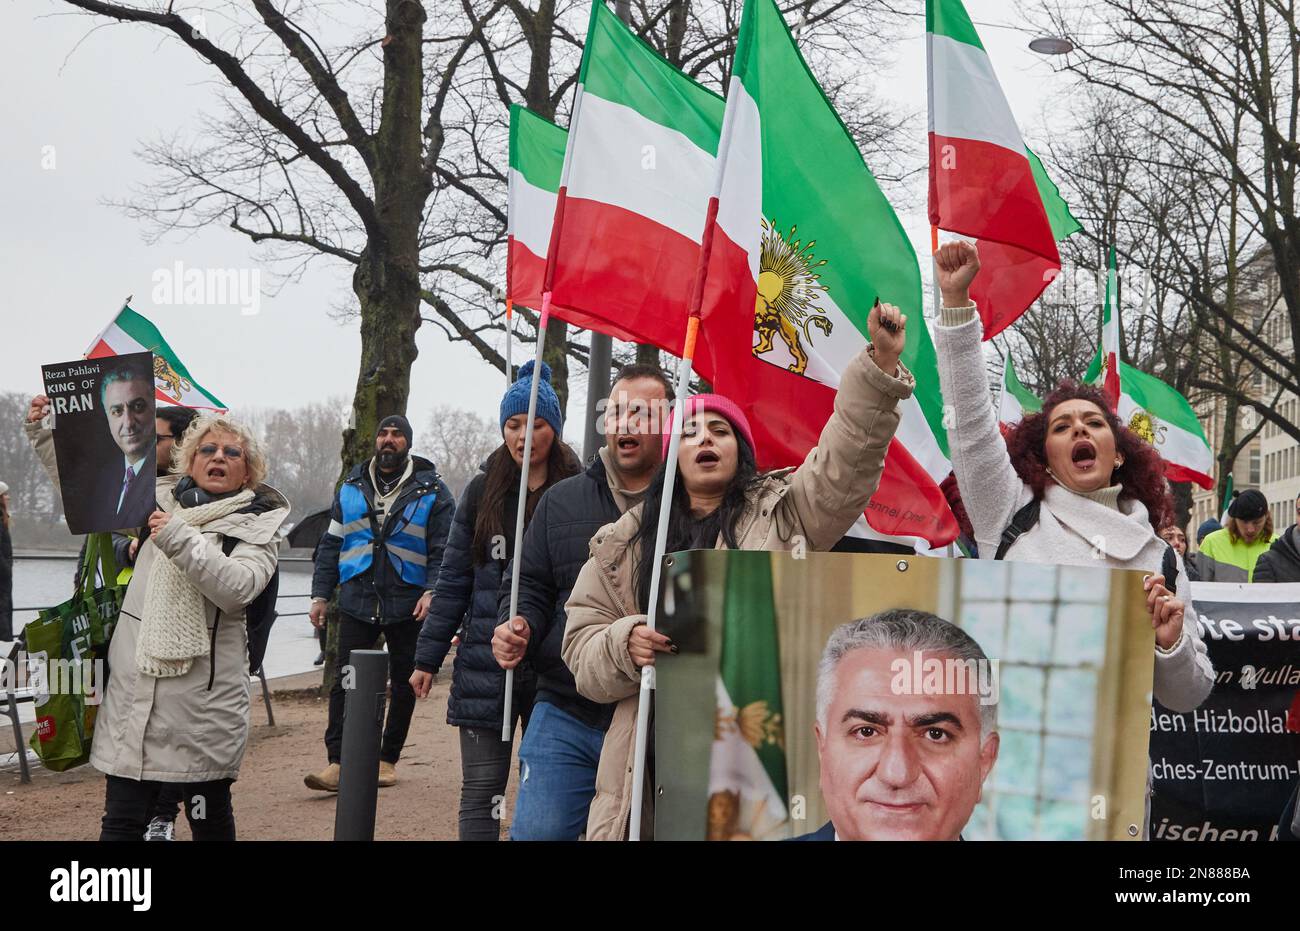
(41, 582)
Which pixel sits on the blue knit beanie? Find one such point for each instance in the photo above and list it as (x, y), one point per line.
(548, 402)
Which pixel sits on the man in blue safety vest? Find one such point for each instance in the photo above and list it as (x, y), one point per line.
(383, 548)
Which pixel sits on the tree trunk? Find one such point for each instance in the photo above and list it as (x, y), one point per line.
(387, 279)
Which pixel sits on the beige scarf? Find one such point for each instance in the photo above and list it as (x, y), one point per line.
(174, 629)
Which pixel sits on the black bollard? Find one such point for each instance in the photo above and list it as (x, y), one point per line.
(363, 722)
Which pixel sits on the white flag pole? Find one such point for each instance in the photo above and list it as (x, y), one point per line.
(507, 731)
(656, 572)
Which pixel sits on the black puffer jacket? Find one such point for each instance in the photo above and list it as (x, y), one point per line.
(555, 550)
(1282, 561)
(465, 600)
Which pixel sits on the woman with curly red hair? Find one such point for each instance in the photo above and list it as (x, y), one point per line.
(1100, 489)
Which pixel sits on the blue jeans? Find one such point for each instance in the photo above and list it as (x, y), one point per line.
(557, 775)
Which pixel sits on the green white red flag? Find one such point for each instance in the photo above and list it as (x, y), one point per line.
(634, 189)
(804, 242)
(536, 162)
(1016, 399)
(1149, 407)
(1110, 333)
(984, 181)
(748, 785)
(173, 384)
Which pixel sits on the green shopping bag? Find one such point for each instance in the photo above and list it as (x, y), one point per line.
(67, 655)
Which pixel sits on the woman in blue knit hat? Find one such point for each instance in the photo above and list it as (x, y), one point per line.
(465, 598)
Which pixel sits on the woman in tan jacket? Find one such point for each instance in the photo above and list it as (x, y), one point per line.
(175, 710)
(720, 500)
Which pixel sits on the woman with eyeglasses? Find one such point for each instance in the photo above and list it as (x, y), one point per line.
(175, 709)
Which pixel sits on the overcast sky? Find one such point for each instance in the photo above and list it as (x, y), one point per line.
(68, 259)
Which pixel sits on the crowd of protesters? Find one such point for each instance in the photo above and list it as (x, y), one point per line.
(403, 561)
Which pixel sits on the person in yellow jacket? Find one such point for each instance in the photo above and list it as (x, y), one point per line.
(1230, 554)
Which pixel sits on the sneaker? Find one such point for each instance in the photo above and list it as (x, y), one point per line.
(387, 774)
(161, 829)
(327, 780)
(319, 660)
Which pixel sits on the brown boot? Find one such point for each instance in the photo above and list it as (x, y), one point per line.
(387, 774)
(327, 780)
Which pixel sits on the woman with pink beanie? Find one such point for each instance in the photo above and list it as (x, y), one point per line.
(721, 500)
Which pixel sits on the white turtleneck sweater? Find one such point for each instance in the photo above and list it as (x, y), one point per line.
(1073, 529)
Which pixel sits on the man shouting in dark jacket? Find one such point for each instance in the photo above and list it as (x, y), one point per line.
(383, 548)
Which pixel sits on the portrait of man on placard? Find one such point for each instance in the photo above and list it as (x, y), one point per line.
(105, 440)
(859, 696)
(906, 728)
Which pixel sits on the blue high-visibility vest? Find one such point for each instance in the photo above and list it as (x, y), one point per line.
(406, 547)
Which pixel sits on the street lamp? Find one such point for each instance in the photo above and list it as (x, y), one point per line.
(1051, 45)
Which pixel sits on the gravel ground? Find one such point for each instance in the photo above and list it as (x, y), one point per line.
(270, 800)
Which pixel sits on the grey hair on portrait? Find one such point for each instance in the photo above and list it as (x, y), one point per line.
(902, 630)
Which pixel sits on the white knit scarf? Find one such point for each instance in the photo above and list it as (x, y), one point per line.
(174, 628)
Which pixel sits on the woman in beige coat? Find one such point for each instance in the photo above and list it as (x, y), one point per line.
(721, 501)
(175, 709)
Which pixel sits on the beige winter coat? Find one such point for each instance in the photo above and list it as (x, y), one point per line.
(816, 503)
(190, 728)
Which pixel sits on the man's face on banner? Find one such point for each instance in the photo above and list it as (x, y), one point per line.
(128, 406)
(899, 766)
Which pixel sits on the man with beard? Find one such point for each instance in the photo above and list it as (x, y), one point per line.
(383, 549)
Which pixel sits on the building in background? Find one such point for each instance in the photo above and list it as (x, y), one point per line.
(1271, 460)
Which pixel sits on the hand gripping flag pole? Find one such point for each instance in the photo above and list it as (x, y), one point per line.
(656, 572)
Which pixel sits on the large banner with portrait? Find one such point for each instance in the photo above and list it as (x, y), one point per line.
(857, 696)
(104, 440)
(1229, 769)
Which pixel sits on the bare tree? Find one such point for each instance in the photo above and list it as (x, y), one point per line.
(30, 492)
(374, 134)
(1215, 85)
(458, 441)
(302, 447)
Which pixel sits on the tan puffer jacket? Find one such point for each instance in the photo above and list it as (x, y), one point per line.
(814, 504)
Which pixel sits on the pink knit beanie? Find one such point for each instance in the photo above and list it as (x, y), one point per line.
(718, 404)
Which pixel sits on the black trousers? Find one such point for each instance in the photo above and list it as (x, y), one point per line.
(129, 806)
(356, 634)
(484, 772)
(167, 805)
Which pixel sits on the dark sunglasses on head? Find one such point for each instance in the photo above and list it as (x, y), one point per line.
(232, 452)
